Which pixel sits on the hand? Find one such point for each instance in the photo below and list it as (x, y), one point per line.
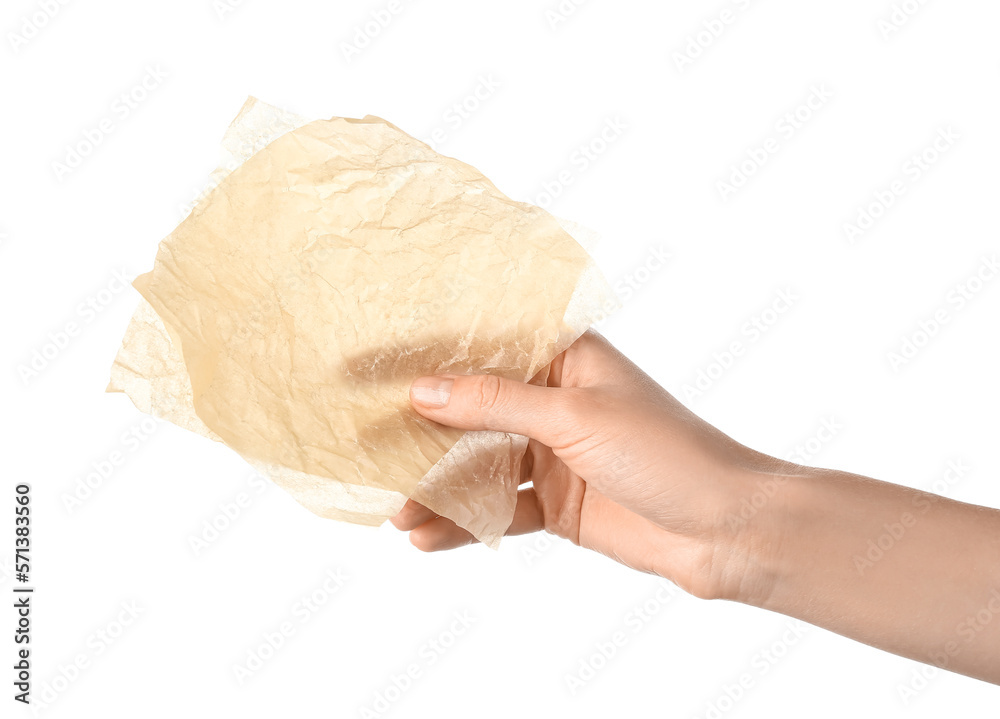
(617, 465)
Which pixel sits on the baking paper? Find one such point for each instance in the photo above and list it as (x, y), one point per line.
(332, 263)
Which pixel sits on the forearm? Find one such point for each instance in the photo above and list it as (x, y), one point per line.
(906, 571)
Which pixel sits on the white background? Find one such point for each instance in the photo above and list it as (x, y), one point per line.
(540, 606)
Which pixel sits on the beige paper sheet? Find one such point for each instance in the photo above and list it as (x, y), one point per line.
(333, 262)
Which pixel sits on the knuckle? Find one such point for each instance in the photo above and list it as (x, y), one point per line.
(486, 392)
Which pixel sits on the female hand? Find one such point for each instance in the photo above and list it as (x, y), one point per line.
(617, 465)
(621, 467)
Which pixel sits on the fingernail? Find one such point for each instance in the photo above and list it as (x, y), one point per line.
(432, 391)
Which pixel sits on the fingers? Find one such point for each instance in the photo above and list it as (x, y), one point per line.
(411, 516)
(488, 402)
(437, 533)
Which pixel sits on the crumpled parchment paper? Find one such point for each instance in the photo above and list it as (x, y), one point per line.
(331, 264)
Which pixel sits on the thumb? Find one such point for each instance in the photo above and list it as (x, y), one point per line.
(488, 402)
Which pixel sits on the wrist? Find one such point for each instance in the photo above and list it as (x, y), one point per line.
(750, 551)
